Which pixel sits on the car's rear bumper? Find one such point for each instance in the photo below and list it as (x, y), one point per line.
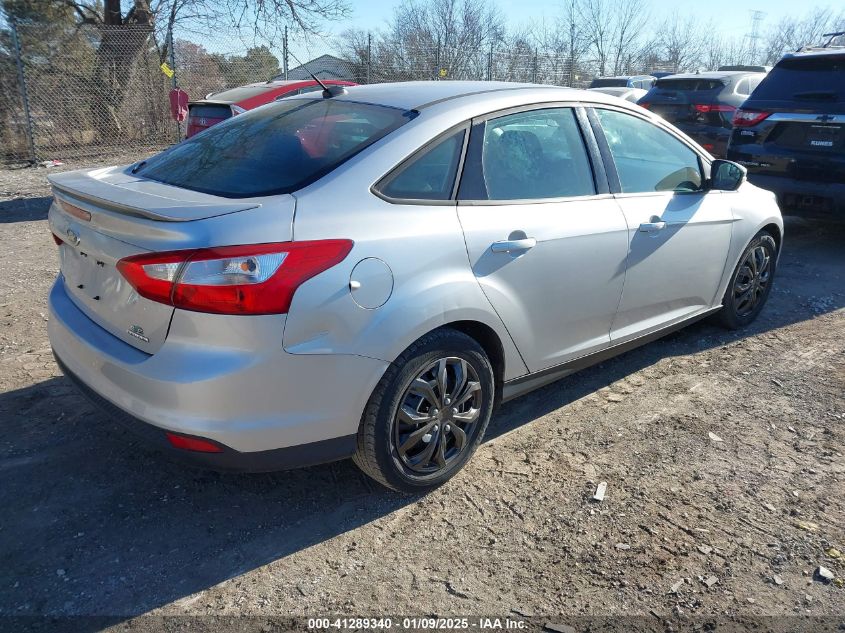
(234, 385)
(803, 196)
(227, 459)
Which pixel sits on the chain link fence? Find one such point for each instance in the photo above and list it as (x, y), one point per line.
(82, 92)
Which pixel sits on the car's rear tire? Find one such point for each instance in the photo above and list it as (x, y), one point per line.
(750, 283)
(428, 413)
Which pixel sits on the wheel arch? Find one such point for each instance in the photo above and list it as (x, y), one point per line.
(775, 232)
(490, 342)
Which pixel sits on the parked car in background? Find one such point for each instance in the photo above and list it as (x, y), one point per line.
(624, 81)
(219, 106)
(628, 94)
(790, 134)
(746, 68)
(702, 105)
(276, 292)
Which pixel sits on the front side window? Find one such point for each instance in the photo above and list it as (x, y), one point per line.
(648, 158)
(277, 148)
(430, 175)
(532, 155)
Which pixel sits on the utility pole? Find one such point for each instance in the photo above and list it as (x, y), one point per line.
(754, 36)
(490, 64)
(30, 136)
(369, 54)
(285, 53)
(173, 82)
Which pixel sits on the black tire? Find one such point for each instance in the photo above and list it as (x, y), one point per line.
(737, 314)
(381, 431)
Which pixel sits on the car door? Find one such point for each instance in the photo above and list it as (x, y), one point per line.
(679, 232)
(545, 239)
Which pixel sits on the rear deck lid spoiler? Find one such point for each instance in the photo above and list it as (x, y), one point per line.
(117, 190)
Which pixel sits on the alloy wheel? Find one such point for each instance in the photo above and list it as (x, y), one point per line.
(752, 280)
(438, 415)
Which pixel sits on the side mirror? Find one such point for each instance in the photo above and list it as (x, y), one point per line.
(726, 175)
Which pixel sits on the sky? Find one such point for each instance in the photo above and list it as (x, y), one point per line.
(732, 17)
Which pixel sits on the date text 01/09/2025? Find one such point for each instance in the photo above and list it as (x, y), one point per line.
(418, 623)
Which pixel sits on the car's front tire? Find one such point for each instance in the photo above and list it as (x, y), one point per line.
(750, 283)
(428, 413)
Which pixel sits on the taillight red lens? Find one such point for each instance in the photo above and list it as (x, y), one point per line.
(748, 118)
(252, 279)
(195, 444)
(704, 108)
(644, 105)
(59, 241)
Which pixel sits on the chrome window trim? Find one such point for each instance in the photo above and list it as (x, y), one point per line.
(799, 117)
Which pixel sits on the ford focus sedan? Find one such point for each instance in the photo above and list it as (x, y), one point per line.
(370, 273)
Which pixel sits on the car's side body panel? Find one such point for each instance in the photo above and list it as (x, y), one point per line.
(255, 383)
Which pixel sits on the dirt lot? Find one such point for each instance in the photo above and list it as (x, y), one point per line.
(723, 455)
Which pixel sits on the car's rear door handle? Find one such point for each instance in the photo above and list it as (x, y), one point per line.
(510, 246)
(654, 226)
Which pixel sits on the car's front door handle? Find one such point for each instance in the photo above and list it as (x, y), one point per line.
(510, 246)
(654, 226)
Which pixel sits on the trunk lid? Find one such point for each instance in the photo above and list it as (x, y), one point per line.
(675, 100)
(203, 114)
(105, 215)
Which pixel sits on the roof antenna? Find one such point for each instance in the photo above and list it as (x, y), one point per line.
(328, 91)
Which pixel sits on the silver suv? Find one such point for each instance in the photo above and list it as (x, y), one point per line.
(369, 273)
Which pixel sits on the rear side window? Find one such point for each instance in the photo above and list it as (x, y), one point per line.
(819, 78)
(648, 158)
(430, 175)
(278, 148)
(529, 156)
(689, 85)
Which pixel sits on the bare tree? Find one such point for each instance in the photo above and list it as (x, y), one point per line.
(124, 30)
(427, 36)
(613, 30)
(682, 42)
(790, 33)
(631, 17)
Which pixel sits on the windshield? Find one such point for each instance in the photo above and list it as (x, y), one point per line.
(277, 148)
(812, 78)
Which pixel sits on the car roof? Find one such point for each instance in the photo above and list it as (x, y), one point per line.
(415, 95)
(714, 74)
(813, 52)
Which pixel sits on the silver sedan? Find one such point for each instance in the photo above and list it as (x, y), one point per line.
(369, 272)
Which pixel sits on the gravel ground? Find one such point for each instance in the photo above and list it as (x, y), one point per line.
(722, 453)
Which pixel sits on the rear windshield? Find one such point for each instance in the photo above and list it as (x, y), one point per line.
(277, 148)
(689, 85)
(609, 83)
(818, 78)
(211, 111)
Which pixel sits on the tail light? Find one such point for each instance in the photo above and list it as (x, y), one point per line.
(749, 118)
(705, 108)
(252, 279)
(196, 444)
(644, 105)
(59, 241)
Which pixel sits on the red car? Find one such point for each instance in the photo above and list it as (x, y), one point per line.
(220, 106)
